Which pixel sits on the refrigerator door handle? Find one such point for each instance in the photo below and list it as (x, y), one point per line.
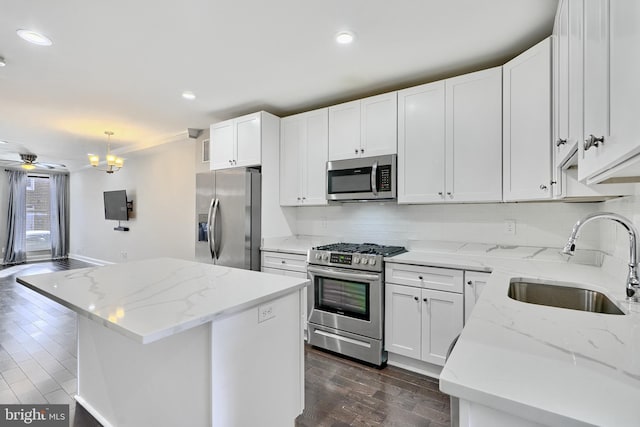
(216, 230)
(213, 211)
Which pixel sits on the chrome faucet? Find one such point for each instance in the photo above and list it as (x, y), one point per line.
(633, 284)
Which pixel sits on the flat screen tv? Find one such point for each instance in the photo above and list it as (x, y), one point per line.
(115, 205)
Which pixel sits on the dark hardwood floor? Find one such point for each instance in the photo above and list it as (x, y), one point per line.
(38, 365)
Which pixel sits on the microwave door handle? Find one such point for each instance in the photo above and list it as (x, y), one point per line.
(341, 275)
(374, 178)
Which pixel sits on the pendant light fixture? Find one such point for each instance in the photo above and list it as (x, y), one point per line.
(114, 163)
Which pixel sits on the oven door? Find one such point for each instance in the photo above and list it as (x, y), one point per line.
(346, 300)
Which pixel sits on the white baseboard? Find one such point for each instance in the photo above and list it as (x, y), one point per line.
(90, 260)
(414, 365)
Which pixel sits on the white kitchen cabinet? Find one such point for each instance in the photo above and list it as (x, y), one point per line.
(287, 264)
(611, 91)
(238, 142)
(303, 158)
(527, 131)
(421, 143)
(450, 140)
(475, 282)
(363, 128)
(421, 321)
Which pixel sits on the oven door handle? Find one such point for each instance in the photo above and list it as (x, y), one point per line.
(342, 274)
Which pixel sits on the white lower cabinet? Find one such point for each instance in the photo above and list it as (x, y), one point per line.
(474, 285)
(287, 264)
(421, 323)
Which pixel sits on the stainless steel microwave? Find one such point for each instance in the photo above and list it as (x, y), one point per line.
(366, 178)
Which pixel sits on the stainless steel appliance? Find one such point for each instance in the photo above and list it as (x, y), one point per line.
(346, 301)
(367, 178)
(228, 218)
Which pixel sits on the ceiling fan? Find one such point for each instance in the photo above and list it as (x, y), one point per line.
(28, 161)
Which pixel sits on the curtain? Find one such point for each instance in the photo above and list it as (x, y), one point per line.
(59, 215)
(16, 247)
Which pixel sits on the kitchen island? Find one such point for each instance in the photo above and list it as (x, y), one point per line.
(168, 342)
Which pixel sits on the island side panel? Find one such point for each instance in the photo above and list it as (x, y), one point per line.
(125, 383)
(258, 365)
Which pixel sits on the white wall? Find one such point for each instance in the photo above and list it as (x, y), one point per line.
(161, 182)
(537, 224)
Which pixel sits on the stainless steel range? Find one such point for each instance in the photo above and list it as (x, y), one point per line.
(346, 301)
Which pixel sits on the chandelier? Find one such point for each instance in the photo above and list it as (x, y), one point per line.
(113, 163)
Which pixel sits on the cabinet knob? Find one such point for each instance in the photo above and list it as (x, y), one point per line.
(298, 198)
(592, 141)
(420, 277)
(560, 142)
(469, 282)
(439, 193)
(450, 194)
(362, 150)
(230, 162)
(283, 262)
(416, 298)
(304, 198)
(543, 187)
(425, 300)
(356, 151)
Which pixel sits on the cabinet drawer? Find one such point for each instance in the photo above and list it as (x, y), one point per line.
(284, 261)
(442, 279)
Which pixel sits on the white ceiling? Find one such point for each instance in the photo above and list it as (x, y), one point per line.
(122, 65)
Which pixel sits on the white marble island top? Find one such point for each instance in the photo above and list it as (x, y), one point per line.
(152, 299)
(548, 365)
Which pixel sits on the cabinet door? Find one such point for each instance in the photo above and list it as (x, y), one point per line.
(421, 143)
(562, 144)
(344, 131)
(575, 129)
(379, 125)
(221, 145)
(596, 85)
(527, 125)
(442, 316)
(475, 282)
(248, 138)
(474, 137)
(402, 320)
(292, 137)
(314, 158)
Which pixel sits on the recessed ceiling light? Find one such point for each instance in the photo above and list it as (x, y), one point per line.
(188, 95)
(345, 37)
(34, 37)
(2, 62)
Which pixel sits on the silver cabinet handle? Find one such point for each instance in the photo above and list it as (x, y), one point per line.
(374, 178)
(560, 142)
(592, 141)
(543, 187)
(469, 283)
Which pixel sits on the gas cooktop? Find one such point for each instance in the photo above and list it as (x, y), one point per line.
(359, 256)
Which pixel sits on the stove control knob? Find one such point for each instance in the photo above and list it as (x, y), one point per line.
(317, 256)
(372, 261)
(356, 260)
(364, 261)
(325, 257)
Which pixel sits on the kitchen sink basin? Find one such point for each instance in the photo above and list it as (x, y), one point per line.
(552, 295)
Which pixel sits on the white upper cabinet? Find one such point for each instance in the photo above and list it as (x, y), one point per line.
(474, 137)
(450, 140)
(611, 91)
(303, 158)
(527, 128)
(421, 143)
(363, 128)
(238, 142)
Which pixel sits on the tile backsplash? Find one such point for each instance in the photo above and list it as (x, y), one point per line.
(536, 224)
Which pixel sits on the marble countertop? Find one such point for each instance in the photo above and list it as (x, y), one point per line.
(295, 244)
(548, 365)
(156, 298)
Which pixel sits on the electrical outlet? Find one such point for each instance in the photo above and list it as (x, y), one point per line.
(266, 312)
(510, 227)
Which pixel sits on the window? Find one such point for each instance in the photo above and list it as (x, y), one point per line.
(38, 216)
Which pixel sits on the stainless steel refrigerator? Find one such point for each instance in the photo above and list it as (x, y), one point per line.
(228, 218)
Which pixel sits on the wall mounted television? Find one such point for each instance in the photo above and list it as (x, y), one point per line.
(115, 205)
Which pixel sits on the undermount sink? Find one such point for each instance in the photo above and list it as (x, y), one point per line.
(552, 295)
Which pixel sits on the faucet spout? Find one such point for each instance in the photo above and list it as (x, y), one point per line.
(633, 283)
